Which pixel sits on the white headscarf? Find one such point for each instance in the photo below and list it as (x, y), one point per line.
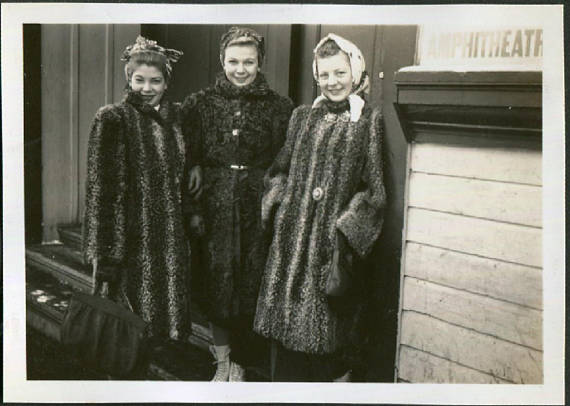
(357, 67)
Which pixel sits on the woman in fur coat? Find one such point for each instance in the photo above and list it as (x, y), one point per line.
(326, 190)
(237, 127)
(133, 228)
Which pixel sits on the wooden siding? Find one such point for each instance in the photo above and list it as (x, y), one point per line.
(504, 165)
(470, 348)
(439, 370)
(477, 198)
(471, 306)
(80, 73)
(487, 277)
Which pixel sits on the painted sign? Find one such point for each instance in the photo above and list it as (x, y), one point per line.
(517, 47)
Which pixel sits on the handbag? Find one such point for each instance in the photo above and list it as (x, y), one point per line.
(104, 334)
(339, 279)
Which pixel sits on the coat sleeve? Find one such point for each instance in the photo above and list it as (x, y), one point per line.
(275, 179)
(105, 218)
(192, 130)
(280, 124)
(361, 222)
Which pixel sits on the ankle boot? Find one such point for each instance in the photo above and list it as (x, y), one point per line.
(237, 373)
(221, 355)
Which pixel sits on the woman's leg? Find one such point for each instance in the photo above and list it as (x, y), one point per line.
(226, 370)
(221, 335)
(221, 352)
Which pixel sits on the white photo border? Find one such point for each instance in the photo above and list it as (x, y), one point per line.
(18, 389)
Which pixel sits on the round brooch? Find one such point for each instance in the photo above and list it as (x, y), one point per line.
(318, 193)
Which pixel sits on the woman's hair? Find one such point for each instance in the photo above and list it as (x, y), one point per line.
(149, 58)
(328, 48)
(243, 36)
(147, 52)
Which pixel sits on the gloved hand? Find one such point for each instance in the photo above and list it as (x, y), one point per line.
(195, 182)
(340, 277)
(104, 275)
(196, 226)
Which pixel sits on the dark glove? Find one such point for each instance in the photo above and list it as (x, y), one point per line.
(196, 226)
(339, 280)
(105, 275)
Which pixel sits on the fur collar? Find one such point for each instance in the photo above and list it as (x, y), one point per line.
(258, 87)
(135, 100)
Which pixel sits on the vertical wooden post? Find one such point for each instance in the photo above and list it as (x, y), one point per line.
(73, 136)
(56, 126)
(109, 62)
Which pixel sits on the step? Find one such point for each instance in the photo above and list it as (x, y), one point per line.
(60, 262)
(47, 299)
(71, 236)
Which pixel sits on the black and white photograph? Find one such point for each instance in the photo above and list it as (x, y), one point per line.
(283, 203)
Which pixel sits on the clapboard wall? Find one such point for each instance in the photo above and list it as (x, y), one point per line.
(471, 292)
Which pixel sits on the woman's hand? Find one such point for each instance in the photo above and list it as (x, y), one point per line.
(195, 182)
(197, 228)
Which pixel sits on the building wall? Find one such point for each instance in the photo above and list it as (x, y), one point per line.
(472, 266)
(80, 72)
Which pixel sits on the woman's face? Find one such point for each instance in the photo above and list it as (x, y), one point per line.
(241, 64)
(150, 82)
(335, 76)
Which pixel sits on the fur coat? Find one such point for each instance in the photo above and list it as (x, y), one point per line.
(134, 209)
(246, 126)
(327, 184)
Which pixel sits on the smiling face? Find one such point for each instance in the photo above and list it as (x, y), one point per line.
(335, 76)
(241, 64)
(150, 82)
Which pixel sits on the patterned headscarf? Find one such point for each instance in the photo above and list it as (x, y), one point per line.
(240, 35)
(357, 64)
(360, 80)
(142, 44)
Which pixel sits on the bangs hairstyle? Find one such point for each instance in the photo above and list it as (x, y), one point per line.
(149, 58)
(246, 41)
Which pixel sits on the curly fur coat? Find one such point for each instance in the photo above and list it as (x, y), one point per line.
(134, 204)
(227, 126)
(323, 150)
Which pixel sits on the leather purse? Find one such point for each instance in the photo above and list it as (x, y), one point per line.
(104, 334)
(339, 279)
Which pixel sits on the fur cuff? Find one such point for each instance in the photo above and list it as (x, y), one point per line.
(275, 188)
(361, 224)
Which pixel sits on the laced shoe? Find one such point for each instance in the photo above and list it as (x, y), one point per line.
(221, 355)
(237, 372)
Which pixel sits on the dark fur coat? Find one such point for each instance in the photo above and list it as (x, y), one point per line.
(227, 126)
(323, 149)
(133, 215)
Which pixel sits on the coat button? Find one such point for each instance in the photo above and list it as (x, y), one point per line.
(318, 194)
(237, 113)
(235, 132)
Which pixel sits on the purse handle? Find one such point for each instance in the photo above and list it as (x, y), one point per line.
(102, 288)
(99, 288)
